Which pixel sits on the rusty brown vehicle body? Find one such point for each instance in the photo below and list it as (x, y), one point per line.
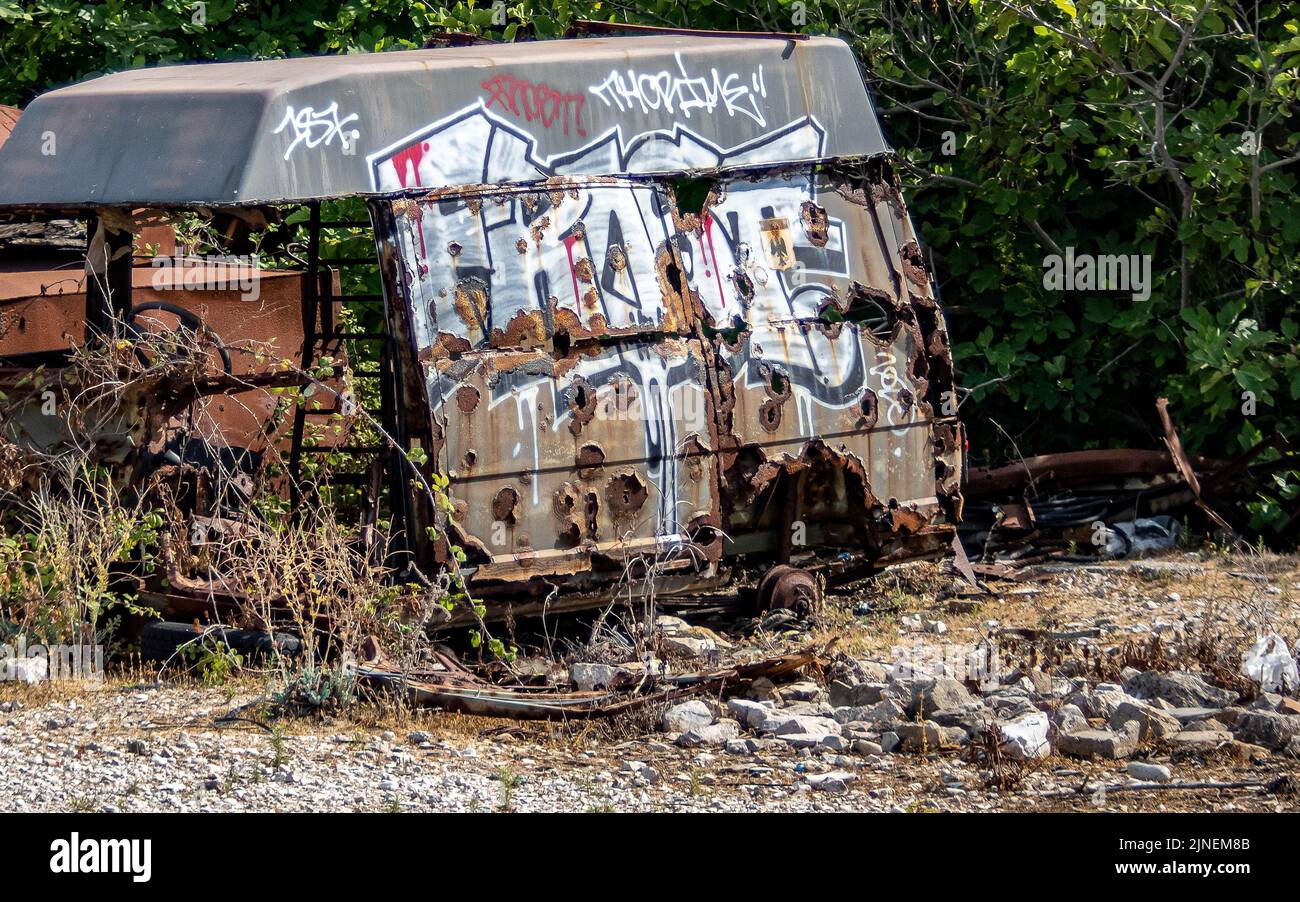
(652, 305)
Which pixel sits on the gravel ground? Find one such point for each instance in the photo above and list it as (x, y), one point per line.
(148, 746)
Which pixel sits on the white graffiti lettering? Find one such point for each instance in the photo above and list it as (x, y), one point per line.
(891, 386)
(312, 127)
(684, 94)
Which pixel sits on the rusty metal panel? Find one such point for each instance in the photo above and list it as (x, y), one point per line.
(591, 347)
(566, 452)
(824, 310)
(44, 310)
(8, 121)
(837, 386)
(558, 462)
(567, 260)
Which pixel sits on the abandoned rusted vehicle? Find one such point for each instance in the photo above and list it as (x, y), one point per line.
(649, 299)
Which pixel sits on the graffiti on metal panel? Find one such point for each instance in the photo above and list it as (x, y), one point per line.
(476, 146)
(679, 92)
(890, 386)
(313, 128)
(536, 102)
(518, 268)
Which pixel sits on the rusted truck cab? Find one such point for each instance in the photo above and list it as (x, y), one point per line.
(655, 303)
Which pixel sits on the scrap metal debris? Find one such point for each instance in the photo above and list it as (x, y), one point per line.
(1115, 502)
(455, 688)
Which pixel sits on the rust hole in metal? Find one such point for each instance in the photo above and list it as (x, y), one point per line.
(582, 404)
(945, 439)
(561, 342)
(704, 534)
(505, 506)
(565, 501)
(690, 200)
(569, 535)
(769, 415)
(816, 223)
(920, 367)
(470, 458)
(776, 382)
(584, 270)
(744, 285)
(471, 302)
(539, 227)
(467, 398)
(526, 330)
(914, 265)
(454, 248)
(666, 264)
(592, 510)
(626, 494)
(870, 408)
(590, 456)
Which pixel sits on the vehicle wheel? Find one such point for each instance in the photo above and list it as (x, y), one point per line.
(789, 588)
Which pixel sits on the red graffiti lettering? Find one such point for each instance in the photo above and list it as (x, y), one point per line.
(536, 101)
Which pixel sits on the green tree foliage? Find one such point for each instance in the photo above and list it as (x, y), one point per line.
(1157, 127)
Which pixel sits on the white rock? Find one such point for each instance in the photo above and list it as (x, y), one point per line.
(587, 677)
(1147, 772)
(750, 713)
(689, 646)
(718, 734)
(640, 769)
(834, 781)
(689, 715)
(1025, 737)
(782, 724)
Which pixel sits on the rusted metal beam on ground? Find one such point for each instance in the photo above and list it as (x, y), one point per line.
(436, 690)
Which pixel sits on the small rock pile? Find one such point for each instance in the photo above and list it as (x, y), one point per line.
(868, 711)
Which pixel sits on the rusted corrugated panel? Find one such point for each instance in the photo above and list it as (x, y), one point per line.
(44, 310)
